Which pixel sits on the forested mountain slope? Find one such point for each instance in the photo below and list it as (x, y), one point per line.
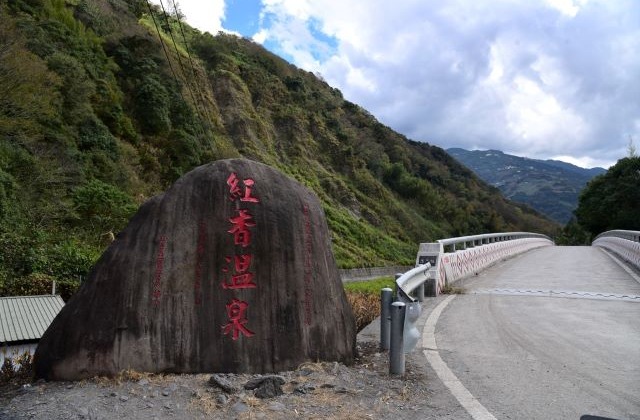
(549, 186)
(94, 120)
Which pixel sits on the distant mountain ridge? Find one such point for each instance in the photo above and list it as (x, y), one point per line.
(549, 186)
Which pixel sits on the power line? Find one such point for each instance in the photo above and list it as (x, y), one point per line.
(184, 74)
(186, 45)
(164, 48)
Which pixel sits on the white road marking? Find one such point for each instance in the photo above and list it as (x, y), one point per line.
(462, 394)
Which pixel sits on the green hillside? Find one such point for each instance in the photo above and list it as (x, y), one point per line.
(94, 120)
(549, 186)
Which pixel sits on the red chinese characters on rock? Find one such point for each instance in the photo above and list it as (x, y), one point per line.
(240, 230)
(242, 278)
(237, 318)
(235, 192)
(237, 274)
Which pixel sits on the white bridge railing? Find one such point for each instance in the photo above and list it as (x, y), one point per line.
(624, 243)
(455, 258)
(438, 264)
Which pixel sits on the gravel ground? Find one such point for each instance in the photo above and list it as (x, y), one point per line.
(313, 391)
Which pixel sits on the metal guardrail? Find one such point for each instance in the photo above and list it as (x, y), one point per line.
(412, 280)
(435, 267)
(624, 243)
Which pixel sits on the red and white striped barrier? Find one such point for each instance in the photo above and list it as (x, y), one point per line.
(477, 253)
(457, 265)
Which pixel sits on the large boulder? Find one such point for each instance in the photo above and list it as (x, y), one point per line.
(230, 270)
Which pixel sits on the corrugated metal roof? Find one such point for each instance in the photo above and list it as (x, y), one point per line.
(27, 317)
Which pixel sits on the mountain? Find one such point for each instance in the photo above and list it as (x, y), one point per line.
(552, 187)
(105, 103)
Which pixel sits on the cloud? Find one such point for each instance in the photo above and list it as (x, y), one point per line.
(538, 78)
(206, 15)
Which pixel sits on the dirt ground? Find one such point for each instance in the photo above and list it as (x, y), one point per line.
(313, 391)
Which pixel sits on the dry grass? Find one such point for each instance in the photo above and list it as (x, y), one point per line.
(366, 307)
(127, 375)
(452, 290)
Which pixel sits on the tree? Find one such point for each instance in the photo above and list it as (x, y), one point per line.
(631, 148)
(27, 88)
(612, 200)
(103, 205)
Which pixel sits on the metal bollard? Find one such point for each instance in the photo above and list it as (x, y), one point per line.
(420, 293)
(386, 296)
(396, 350)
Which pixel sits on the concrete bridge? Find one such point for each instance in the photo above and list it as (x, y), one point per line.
(551, 333)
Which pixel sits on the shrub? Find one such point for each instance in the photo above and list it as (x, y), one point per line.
(152, 105)
(95, 136)
(17, 368)
(103, 205)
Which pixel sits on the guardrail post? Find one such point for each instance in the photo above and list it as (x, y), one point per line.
(396, 350)
(420, 293)
(386, 296)
(395, 285)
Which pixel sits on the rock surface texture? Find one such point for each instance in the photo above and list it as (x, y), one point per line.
(230, 270)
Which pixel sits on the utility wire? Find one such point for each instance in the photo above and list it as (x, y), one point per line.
(184, 73)
(164, 48)
(193, 70)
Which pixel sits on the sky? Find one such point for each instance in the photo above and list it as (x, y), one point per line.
(545, 79)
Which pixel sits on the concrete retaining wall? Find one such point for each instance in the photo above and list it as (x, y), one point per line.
(370, 273)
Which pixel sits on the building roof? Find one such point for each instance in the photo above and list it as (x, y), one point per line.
(25, 318)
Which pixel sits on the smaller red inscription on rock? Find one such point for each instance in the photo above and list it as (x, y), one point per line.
(237, 320)
(156, 293)
(240, 230)
(202, 237)
(308, 268)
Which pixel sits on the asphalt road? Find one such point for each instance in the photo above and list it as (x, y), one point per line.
(547, 335)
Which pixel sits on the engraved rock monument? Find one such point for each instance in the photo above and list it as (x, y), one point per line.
(230, 270)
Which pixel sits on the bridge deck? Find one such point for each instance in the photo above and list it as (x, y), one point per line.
(536, 356)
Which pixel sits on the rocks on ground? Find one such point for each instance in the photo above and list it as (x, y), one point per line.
(330, 390)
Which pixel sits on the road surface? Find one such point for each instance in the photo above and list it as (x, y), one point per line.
(551, 334)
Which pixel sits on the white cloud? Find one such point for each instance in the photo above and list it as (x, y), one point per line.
(538, 78)
(567, 7)
(206, 15)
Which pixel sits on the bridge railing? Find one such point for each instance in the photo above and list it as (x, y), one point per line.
(624, 243)
(434, 266)
(455, 258)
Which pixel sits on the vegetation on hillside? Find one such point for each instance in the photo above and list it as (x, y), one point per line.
(105, 103)
(551, 187)
(612, 200)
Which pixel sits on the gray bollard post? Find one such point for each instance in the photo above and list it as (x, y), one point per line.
(420, 293)
(396, 349)
(386, 296)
